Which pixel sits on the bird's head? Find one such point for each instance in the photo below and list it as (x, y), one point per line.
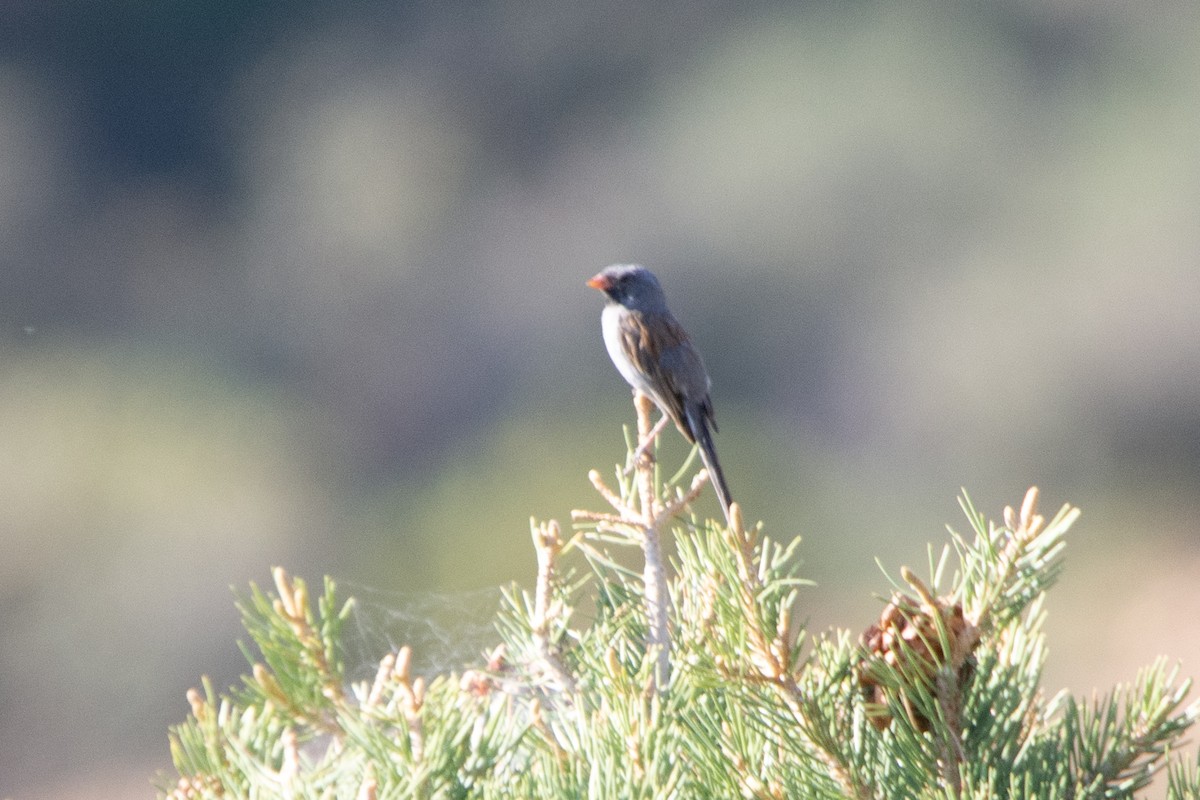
(631, 285)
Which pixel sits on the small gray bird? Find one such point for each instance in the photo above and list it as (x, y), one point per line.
(654, 355)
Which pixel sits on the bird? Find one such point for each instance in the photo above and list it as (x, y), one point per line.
(656, 357)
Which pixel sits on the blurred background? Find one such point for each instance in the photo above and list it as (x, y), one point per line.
(302, 283)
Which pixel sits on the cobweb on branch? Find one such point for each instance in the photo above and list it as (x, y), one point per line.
(447, 631)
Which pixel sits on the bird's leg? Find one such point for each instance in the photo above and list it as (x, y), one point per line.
(646, 438)
(644, 446)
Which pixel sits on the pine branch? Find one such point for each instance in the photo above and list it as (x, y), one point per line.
(1120, 742)
(940, 697)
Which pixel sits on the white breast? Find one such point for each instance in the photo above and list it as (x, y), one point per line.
(610, 325)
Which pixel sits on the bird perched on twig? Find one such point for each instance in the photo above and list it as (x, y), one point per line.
(653, 353)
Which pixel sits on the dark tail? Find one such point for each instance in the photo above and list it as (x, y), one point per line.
(708, 453)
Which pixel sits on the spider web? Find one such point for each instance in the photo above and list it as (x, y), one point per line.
(447, 631)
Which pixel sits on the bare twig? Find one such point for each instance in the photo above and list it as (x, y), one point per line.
(642, 521)
(654, 579)
(412, 699)
(547, 541)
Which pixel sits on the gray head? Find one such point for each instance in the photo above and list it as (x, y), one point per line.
(631, 285)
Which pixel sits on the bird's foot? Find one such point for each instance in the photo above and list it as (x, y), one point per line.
(643, 448)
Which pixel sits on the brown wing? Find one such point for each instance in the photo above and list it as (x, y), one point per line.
(676, 377)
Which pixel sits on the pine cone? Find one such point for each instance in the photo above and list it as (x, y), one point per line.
(906, 641)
